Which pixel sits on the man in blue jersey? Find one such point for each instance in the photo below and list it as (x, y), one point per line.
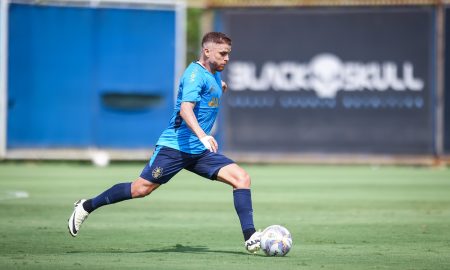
(186, 144)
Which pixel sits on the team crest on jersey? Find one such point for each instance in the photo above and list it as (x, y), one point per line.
(193, 75)
(214, 102)
(157, 172)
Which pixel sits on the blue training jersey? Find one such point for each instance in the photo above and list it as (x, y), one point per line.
(205, 89)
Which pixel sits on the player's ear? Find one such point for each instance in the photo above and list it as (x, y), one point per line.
(206, 51)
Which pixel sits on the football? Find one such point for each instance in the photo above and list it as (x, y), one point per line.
(276, 240)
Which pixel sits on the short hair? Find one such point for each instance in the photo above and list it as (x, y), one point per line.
(216, 37)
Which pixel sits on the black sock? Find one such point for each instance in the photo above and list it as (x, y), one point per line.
(114, 194)
(248, 233)
(87, 205)
(243, 205)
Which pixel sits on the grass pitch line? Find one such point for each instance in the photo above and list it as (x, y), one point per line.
(13, 194)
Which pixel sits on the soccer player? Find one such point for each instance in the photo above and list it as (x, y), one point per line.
(186, 144)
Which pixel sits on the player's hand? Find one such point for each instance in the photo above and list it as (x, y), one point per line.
(224, 86)
(210, 143)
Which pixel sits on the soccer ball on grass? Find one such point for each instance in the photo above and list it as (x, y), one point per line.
(276, 240)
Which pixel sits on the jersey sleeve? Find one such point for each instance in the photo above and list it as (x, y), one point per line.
(192, 85)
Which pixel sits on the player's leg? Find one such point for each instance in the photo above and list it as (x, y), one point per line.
(218, 167)
(235, 176)
(117, 193)
(121, 192)
(152, 176)
(239, 179)
(142, 187)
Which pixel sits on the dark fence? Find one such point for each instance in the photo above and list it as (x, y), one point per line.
(447, 84)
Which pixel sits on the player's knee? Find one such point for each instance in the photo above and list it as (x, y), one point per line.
(141, 188)
(243, 180)
(141, 192)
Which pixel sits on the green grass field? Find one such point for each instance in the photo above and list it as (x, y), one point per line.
(341, 217)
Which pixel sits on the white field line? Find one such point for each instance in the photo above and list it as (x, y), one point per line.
(13, 194)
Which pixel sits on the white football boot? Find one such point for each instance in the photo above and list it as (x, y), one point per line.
(77, 218)
(253, 244)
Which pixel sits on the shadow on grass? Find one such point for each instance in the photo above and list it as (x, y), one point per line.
(178, 248)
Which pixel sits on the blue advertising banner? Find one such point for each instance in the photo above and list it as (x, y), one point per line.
(330, 80)
(84, 77)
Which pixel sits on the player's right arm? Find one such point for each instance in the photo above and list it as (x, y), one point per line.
(193, 83)
(188, 115)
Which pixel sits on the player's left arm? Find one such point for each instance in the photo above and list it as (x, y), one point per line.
(188, 115)
(224, 87)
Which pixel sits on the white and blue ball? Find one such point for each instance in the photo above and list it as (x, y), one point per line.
(276, 240)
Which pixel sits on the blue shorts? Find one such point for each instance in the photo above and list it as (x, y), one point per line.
(166, 162)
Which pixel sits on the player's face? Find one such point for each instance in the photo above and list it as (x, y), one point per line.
(218, 55)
